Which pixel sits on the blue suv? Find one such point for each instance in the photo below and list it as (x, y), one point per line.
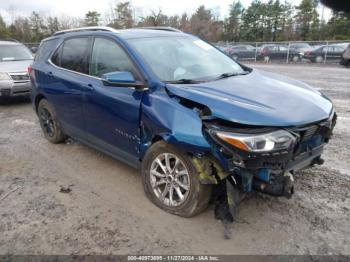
(191, 118)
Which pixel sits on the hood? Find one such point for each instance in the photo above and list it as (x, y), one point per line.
(15, 66)
(259, 98)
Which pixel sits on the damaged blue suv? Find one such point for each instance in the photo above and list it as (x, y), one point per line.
(191, 118)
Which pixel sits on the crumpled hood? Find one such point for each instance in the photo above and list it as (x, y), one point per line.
(259, 98)
(15, 66)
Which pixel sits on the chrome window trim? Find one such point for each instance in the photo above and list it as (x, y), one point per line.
(82, 74)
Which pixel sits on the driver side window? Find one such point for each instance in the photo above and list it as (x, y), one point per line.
(107, 56)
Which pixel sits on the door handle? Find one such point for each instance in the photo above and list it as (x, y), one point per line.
(89, 87)
(49, 74)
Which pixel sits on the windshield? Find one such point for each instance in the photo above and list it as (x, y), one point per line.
(179, 58)
(302, 46)
(14, 53)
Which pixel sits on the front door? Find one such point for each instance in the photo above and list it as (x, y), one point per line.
(112, 113)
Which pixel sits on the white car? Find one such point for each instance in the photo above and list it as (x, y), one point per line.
(15, 58)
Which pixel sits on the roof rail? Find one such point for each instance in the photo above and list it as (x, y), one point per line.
(9, 39)
(88, 28)
(164, 28)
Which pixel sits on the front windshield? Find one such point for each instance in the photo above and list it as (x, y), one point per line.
(14, 53)
(178, 58)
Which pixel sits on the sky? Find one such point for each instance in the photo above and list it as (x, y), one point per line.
(10, 8)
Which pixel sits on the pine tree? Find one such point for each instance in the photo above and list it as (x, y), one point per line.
(307, 19)
(4, 31)
(92, 18)
(122, 16)
(232, 23)
(37, 27)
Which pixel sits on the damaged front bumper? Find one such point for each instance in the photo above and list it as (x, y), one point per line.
(268, 172)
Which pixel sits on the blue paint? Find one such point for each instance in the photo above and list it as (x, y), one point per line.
(263, 174)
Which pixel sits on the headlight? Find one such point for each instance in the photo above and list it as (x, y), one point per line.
(4, 76)
(276, 140)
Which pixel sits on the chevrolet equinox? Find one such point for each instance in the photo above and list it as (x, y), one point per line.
(184, 113)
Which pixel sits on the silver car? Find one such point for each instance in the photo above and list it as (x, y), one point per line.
(15, 58)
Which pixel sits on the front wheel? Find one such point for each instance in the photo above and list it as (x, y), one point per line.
(266, 59)
(171, 181)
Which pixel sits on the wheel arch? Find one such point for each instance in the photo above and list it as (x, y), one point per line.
(172, 120)
(37, 100)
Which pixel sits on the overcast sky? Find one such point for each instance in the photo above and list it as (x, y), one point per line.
(9, 8)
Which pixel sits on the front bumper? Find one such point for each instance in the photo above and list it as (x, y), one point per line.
(14, 88)
(305, 159)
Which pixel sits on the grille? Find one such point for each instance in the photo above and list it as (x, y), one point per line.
(5, 92)
(309, 132)
(20, 77)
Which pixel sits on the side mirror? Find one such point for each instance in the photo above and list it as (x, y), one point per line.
(122, 79)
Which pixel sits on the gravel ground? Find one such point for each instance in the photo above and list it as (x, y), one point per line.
(106, 211)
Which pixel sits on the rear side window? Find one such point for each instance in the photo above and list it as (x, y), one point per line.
(74, 55)
(56, 58)
(44, 49)
(107, 56)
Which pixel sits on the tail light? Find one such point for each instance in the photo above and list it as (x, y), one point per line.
(30, 69)
(262, 51)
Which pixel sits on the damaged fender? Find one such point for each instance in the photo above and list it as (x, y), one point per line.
(167, 119)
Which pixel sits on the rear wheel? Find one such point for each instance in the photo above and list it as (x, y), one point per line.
(295, 58)
(49, 123)
(171, 181)
(319, 59)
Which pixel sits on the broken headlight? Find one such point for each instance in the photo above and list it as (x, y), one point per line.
(276, 140)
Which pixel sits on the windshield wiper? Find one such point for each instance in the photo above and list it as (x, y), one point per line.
(227, 75)
(184, 81)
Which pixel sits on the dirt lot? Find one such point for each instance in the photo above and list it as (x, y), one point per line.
(107, 213)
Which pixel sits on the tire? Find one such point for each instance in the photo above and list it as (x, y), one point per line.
(49, 123)
(295, 58)
(318, 59)
(197, 197)
(235, 57)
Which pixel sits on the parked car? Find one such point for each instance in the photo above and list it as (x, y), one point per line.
(15, 58)
(342, 45)
(269, 52)
(345, 60)
(238, 52)
(186, 114)
(221, 48)
(330, 52)
(301, 47)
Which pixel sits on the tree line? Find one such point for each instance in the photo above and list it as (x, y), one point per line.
(273, 20)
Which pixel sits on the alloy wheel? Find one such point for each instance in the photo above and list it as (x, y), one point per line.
(47, 122)
(169, 179)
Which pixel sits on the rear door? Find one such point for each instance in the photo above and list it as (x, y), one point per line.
(338, 51)
(112, 113)
(66, 81)
(273, 52)
(282, 52)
